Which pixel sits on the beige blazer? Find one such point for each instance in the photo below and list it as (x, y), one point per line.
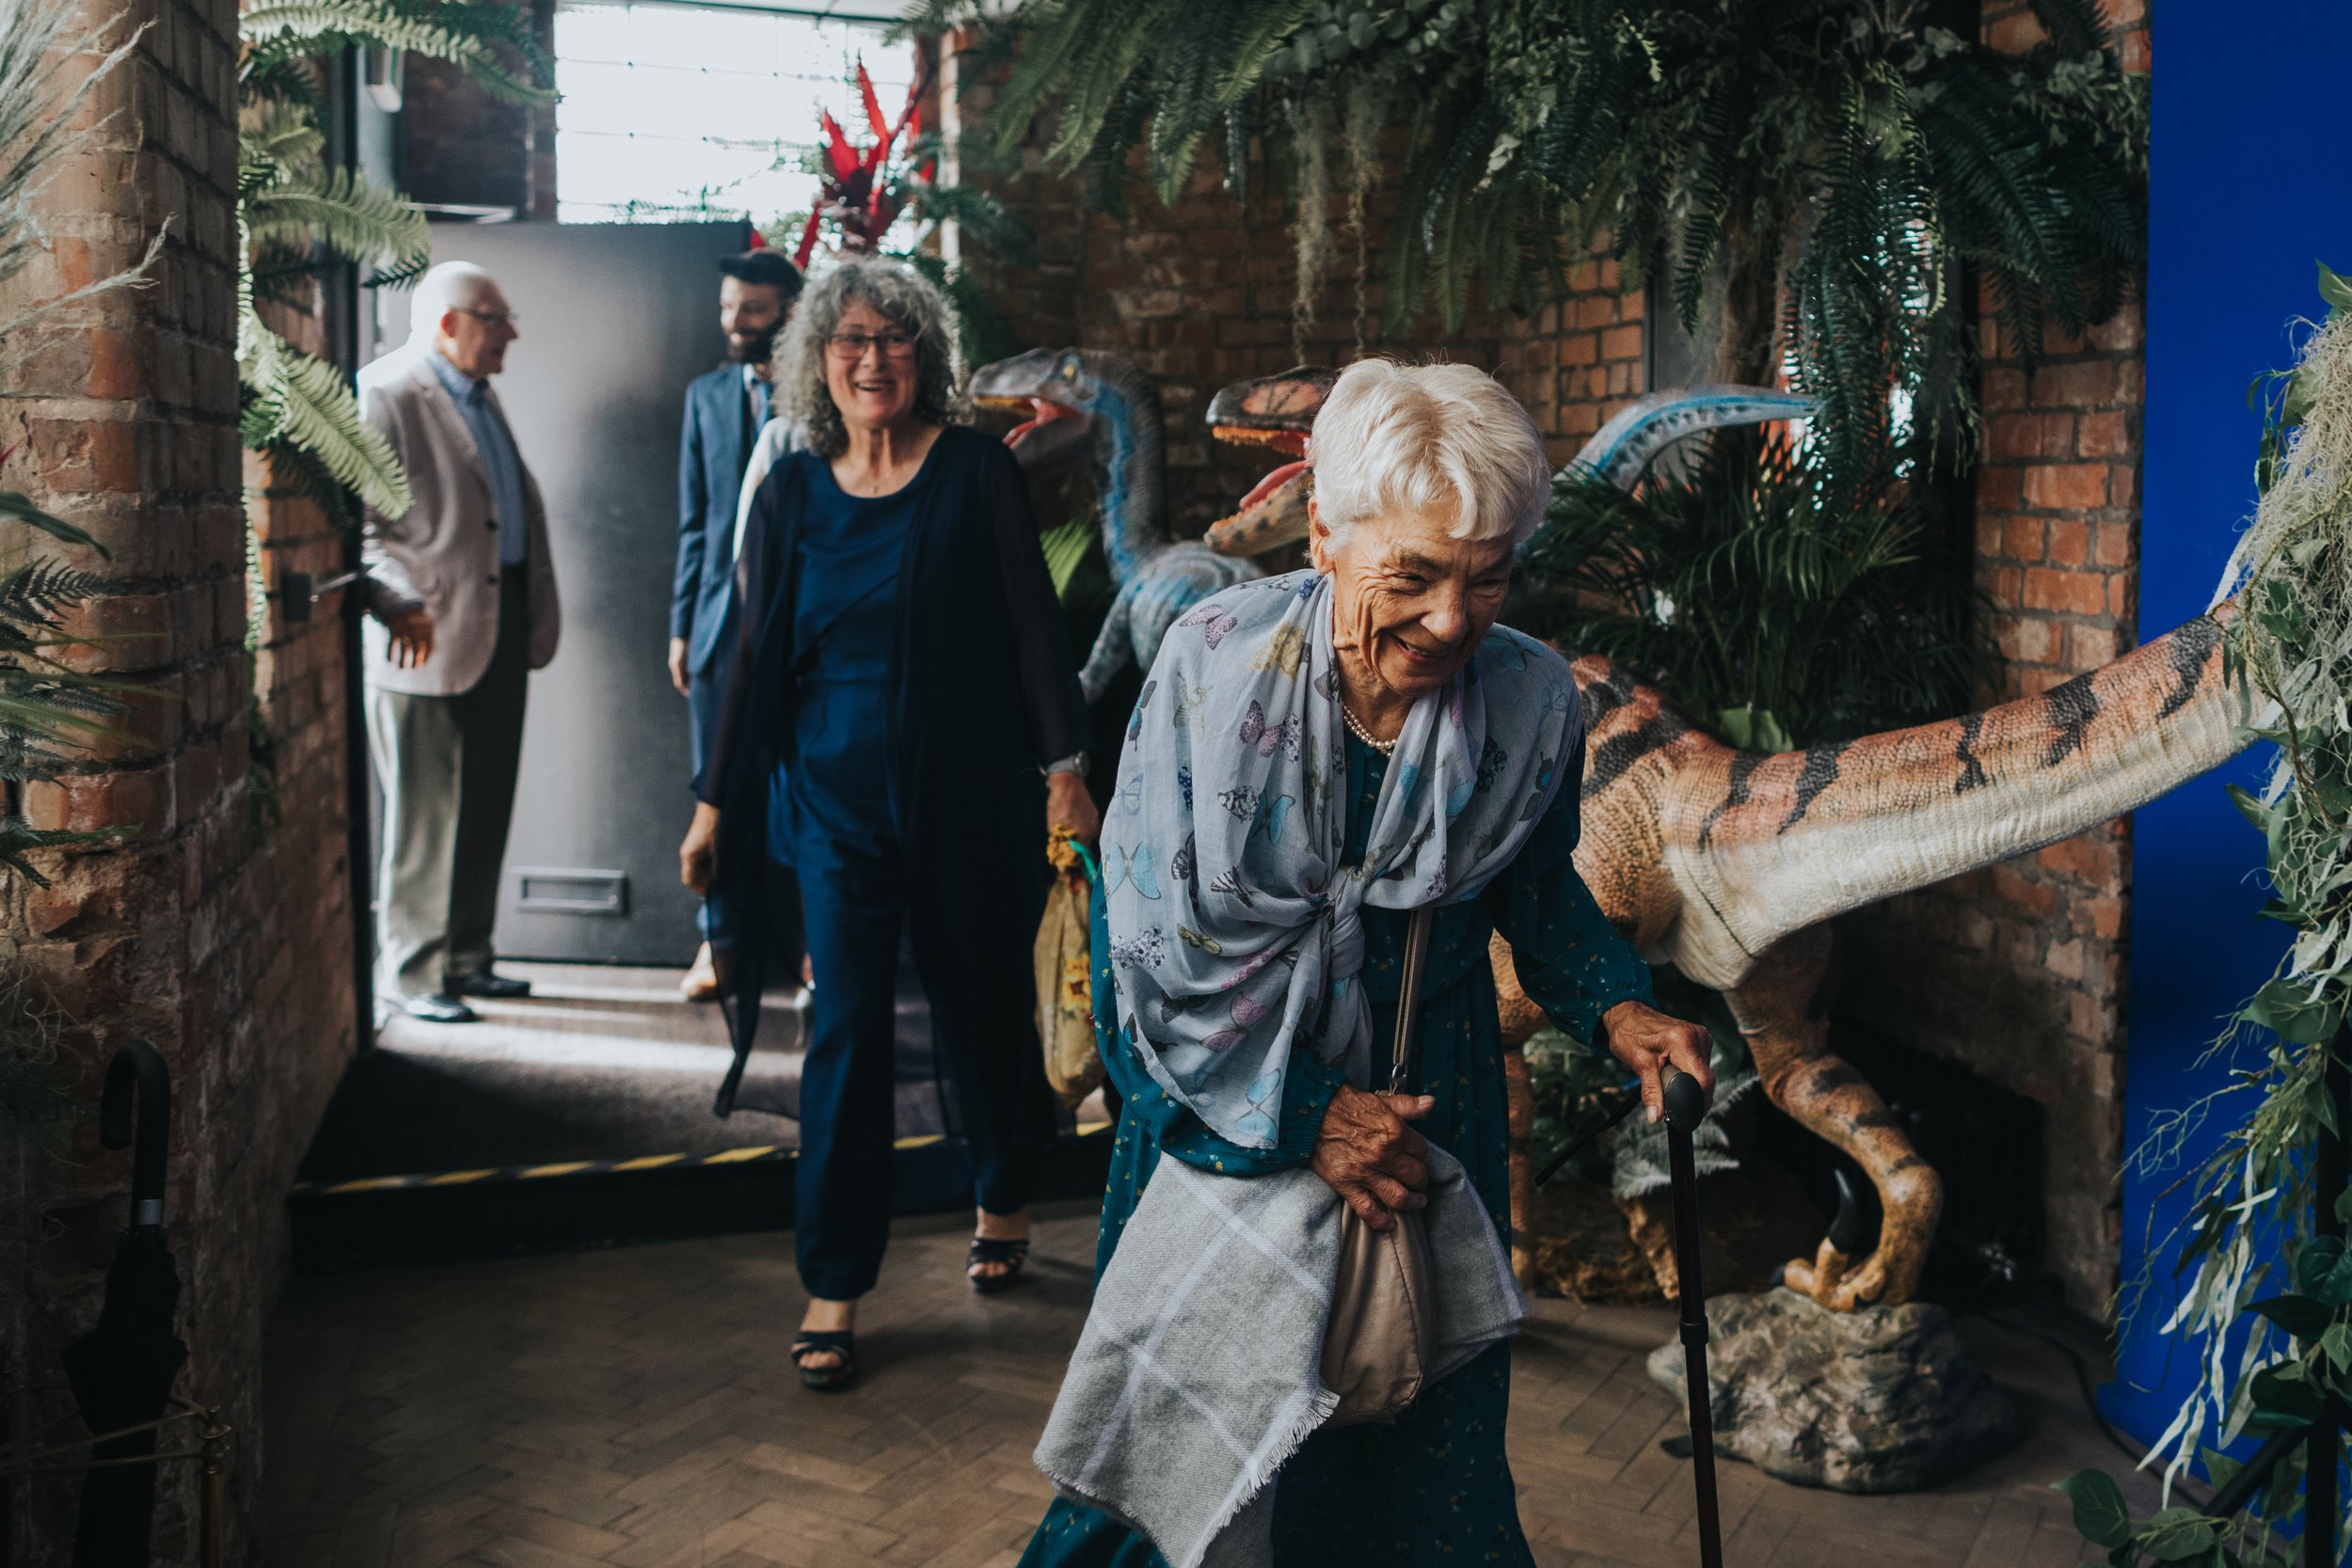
(443, 551)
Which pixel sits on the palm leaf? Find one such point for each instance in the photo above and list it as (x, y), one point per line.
(16, 507)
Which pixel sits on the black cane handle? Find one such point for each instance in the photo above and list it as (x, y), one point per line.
(1686, 1102)
(135, 1111)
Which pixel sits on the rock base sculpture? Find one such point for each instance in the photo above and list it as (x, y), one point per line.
(1882, 1399)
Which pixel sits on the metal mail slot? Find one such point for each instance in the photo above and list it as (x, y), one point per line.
(548, 890)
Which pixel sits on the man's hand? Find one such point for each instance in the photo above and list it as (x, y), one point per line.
(412, 637)
(1367, 1155)
(678, 677)
(1646, 1040)
(698, 856)
(1069, 805)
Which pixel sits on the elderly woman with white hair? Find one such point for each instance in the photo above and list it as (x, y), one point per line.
(901, 660)
(1313, 758)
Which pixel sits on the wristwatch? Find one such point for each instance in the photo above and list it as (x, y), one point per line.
(1074, 762)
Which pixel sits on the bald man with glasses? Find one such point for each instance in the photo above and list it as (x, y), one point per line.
(463, 597)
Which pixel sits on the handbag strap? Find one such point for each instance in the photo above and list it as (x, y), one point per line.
(1408, 998)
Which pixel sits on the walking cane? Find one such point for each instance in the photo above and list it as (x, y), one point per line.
(1686, 1106)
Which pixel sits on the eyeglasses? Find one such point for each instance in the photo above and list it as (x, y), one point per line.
(852, 346)
(491, 318)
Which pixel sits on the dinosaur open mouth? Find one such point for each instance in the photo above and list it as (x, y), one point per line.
(1274, 481)
(1273, 513)
(1041, 411)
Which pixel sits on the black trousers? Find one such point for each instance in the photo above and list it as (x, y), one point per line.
(976, 973)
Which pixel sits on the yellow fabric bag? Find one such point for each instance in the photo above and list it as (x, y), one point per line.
(1065, 989)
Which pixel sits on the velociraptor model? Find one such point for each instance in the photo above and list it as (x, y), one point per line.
(1091, 402)
(1728, 864)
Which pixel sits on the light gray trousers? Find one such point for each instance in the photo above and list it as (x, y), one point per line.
(447, 768)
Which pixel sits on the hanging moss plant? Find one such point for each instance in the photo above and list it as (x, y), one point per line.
(2272, 1344)
(1849, 157)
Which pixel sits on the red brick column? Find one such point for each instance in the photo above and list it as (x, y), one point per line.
(213, 926)
(2018, 971)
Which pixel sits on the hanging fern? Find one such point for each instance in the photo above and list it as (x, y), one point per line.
(278, 35)
(1848, 150)
(341, 210)
(295, 217)
(290, 397)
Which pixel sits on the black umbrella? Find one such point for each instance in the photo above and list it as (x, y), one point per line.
(122, 1369)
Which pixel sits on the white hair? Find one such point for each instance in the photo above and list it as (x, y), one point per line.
(1392, 437)
(451, 286)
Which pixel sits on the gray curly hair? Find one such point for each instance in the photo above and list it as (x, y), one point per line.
(898, 291)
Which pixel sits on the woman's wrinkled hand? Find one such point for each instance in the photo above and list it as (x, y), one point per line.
(1368, 1155)
(698, 856)
(1646, 1040)
(1069, 805)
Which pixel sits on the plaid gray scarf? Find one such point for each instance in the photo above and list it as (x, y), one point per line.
(1196, 1377)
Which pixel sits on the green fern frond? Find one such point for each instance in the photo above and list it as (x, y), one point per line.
(277, 142)
(278, 30)
(40, 593)
(401, 275)
(291, 397)
(343, 211)
(1847, 150)
(295, 470)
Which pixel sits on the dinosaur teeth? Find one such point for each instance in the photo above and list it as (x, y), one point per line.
(1292, 441)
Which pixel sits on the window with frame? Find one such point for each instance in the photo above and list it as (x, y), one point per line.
(673, 112)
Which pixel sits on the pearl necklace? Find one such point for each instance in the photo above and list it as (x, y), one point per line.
(1386, 748)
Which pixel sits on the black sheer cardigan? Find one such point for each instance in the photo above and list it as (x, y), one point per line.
(985, 694)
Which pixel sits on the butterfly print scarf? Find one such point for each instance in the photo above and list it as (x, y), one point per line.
(1236, 934)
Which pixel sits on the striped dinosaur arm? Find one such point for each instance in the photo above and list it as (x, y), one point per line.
(1566, 958)
(1110, 650)
(1771, 845)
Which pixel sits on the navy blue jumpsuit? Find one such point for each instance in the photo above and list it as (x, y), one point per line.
(910, 674)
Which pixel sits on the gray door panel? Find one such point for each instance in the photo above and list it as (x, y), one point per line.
(616, 319)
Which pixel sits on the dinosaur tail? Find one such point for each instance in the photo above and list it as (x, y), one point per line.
(1797, 838)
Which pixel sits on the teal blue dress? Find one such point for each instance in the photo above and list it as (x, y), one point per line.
(1436, 1486)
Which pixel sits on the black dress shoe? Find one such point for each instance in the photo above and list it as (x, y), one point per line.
(437, 1009)
(495, 986)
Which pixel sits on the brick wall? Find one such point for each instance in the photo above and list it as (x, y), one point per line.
(461, 147)
(2017, 972)
(218, 933)
(1200, 292)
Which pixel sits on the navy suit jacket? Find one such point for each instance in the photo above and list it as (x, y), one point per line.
(711, 452)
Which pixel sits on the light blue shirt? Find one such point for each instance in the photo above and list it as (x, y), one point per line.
(501, 466)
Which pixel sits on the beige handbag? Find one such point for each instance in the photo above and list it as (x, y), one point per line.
(1065, 989)
(1382, 1335)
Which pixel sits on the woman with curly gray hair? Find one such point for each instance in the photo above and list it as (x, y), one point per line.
(900, 661)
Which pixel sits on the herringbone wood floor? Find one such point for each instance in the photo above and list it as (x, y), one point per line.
(635, 1407)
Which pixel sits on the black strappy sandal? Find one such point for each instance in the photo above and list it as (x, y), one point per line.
(985, 1250)
(814, 1341)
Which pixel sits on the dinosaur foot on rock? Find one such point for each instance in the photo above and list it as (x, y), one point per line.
(1884, 1278)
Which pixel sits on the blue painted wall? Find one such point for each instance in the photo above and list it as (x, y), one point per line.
(2246, 195)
